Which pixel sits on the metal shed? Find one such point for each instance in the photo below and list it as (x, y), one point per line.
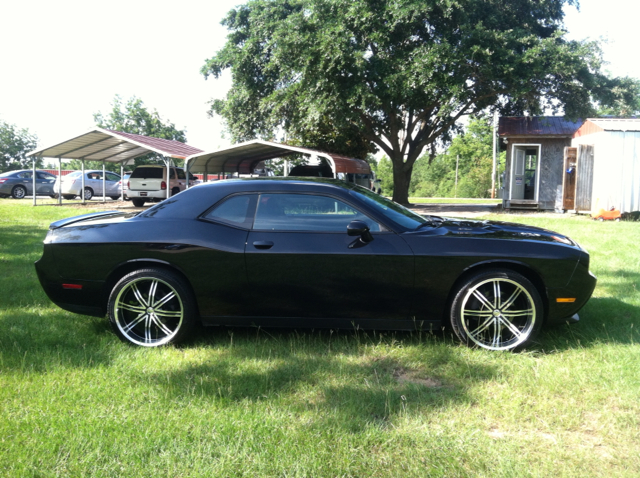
(243, 159)
(105, 145)
(607, 167)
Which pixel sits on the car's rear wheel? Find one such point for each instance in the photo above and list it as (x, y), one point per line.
(151, 307)
(497, 309)
(19, 192)
(88, 194)
(138, 202)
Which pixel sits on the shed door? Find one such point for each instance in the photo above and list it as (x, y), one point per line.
(517, 181)
(584, 179)
(569, 178)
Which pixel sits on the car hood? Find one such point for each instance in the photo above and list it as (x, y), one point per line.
(447, 226)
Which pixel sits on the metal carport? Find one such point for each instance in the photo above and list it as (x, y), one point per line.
(243, 158)
(105, 145)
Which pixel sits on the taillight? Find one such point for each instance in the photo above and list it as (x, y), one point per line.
(163, 185)
(128, 184)
(2, 180)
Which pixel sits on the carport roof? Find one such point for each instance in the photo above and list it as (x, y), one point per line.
(243, 158)
(100, 144)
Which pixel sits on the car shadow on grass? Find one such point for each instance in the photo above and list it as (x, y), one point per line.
(352, 378)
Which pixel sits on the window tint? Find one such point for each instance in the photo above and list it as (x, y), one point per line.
(237, 210)
(181, 174)
(393, 211)
(41, 175)
(148, 173)
(305, 212)
(112, 177)
(25, 175)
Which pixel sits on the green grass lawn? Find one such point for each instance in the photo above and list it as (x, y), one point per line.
(75, 401)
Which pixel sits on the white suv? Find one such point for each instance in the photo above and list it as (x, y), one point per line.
(149, 183)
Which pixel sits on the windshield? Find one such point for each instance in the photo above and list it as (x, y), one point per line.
(398, 214)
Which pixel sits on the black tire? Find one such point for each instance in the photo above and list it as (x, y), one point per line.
(137, 202)
(68, 196)
(152, 307)
(88, 194)
(497, 309)
(115, 198)
(175, 191)
(18, 192)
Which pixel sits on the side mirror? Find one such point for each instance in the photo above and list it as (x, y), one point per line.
(360, 228)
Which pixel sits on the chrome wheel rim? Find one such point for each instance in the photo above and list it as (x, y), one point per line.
(19, 193)
(148, 312)
(498, 314)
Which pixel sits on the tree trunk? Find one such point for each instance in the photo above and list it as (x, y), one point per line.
(401, 181)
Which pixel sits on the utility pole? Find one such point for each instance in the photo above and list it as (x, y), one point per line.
(493, 172)
(455, 194)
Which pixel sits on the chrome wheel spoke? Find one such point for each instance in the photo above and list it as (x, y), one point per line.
(138, 295)
(496, 294)
(477, 313)
(135, 322)
(516, 313)
(512, 299)
(132, 308)
(169, 313)
(152, 293)
(164, 300)
(482, 299)
(512, 328)
(497, 336)
(485, 325)
(160, 325)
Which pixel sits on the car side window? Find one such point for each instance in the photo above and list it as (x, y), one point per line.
(181, 174)
(46, 176)
(236, 210)
(112, 177)
(306, 212)
(25, 175)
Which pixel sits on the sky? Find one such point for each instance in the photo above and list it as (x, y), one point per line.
(61, 61)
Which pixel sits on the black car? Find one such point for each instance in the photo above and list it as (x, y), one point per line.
(321, 253)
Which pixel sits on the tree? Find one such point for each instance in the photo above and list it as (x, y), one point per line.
(399, 74)
(133, 117)
(15, 143)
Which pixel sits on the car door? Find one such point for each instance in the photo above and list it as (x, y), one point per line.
(25, 178)
(44, 183)
(301, 262)
(112, 184)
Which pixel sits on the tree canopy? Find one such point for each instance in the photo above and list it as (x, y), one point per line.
(15, 143)
(352, 76)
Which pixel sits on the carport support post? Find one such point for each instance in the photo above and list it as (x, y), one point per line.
(168, 161)
(34, 180)
(206, 172)
(60, 178)
(104, 183)
(83, 181)
(121, 182)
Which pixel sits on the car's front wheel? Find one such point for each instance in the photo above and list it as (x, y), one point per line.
(19, 192)
(151, 307)
(88, 194)
(497, 309)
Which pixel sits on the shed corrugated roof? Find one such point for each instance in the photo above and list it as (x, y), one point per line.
(617, 124)
(537, 126)
(100, 144)
(244, 157)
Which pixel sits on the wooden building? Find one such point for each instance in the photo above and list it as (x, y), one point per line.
(535, 146)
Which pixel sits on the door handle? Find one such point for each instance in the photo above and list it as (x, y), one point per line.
(263, 244)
